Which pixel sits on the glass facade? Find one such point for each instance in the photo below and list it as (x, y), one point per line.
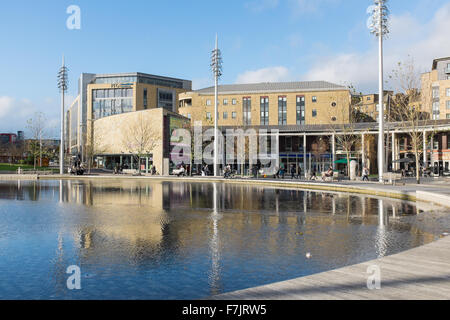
(115, 80)
(139, 79)
(108, 102)
(300, 110)
(282, 111)
(74, 126)
(264, 111)
(166, 99)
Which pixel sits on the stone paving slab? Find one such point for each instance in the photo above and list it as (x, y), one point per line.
(404, 276)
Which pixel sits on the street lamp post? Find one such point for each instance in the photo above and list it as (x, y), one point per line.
(62, 85)
(216, 65)
(379, 27)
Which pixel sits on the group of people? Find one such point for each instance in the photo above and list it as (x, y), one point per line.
(77, 167)
(227, 172)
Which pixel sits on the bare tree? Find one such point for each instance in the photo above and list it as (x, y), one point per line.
(140, 138)
(36, 126)
(95, 147)
(343, 125)
(406, 108)
(320, 146)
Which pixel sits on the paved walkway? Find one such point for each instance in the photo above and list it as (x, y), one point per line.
(416, 274)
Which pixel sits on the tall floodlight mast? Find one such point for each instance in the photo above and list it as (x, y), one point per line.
(378, 25)
(62, 85)
(216, 65)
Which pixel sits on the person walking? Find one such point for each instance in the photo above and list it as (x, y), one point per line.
(299, 172)
(292, 171)
(281, 173)
(313, 175)
(365, 174)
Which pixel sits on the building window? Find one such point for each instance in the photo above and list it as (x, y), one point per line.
(447, 92)
(108, 102)
(225, 102)
(208, 115)
(300, 110)
(234, 101)
(368, 98)
(314, 99)
(166, 99)
(145, 98)
(208, 102)
(247, 110)
(225, 115)
(264, 111)
(282, 110)
(448, 116)
(448, 104)
(233, 115)
(314, 113)
(189, 116)
(334, 119)
(435, 92)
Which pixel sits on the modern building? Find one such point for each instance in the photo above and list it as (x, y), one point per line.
(135, 140)
(7, 138)
(436, 89)
(269, 104)
(11, 147)
(104, 95)
(104, 102)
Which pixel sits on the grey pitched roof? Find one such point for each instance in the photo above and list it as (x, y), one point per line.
(266, 87)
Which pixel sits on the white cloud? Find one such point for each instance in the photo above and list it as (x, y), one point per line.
(422, 40)
(270, 74)
(6, 105)
(14, 114)
(261, 5)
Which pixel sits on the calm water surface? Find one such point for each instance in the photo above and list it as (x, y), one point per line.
(151, 240)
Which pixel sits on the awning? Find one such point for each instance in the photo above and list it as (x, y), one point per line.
(342, 161)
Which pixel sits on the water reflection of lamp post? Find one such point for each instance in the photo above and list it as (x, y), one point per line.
(215, 245)
(61, 191)
(381, 236)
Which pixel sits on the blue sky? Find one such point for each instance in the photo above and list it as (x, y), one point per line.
(261, 40)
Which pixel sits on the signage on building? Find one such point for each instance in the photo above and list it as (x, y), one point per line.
(121, 85)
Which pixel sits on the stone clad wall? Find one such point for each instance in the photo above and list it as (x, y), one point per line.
(323, 106)
(110, 134)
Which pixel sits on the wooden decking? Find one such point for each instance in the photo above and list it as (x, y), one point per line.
(416, 274)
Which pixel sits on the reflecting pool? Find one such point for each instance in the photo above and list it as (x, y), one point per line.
(138, 239)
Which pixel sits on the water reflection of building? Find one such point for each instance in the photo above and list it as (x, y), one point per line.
(141, 222)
